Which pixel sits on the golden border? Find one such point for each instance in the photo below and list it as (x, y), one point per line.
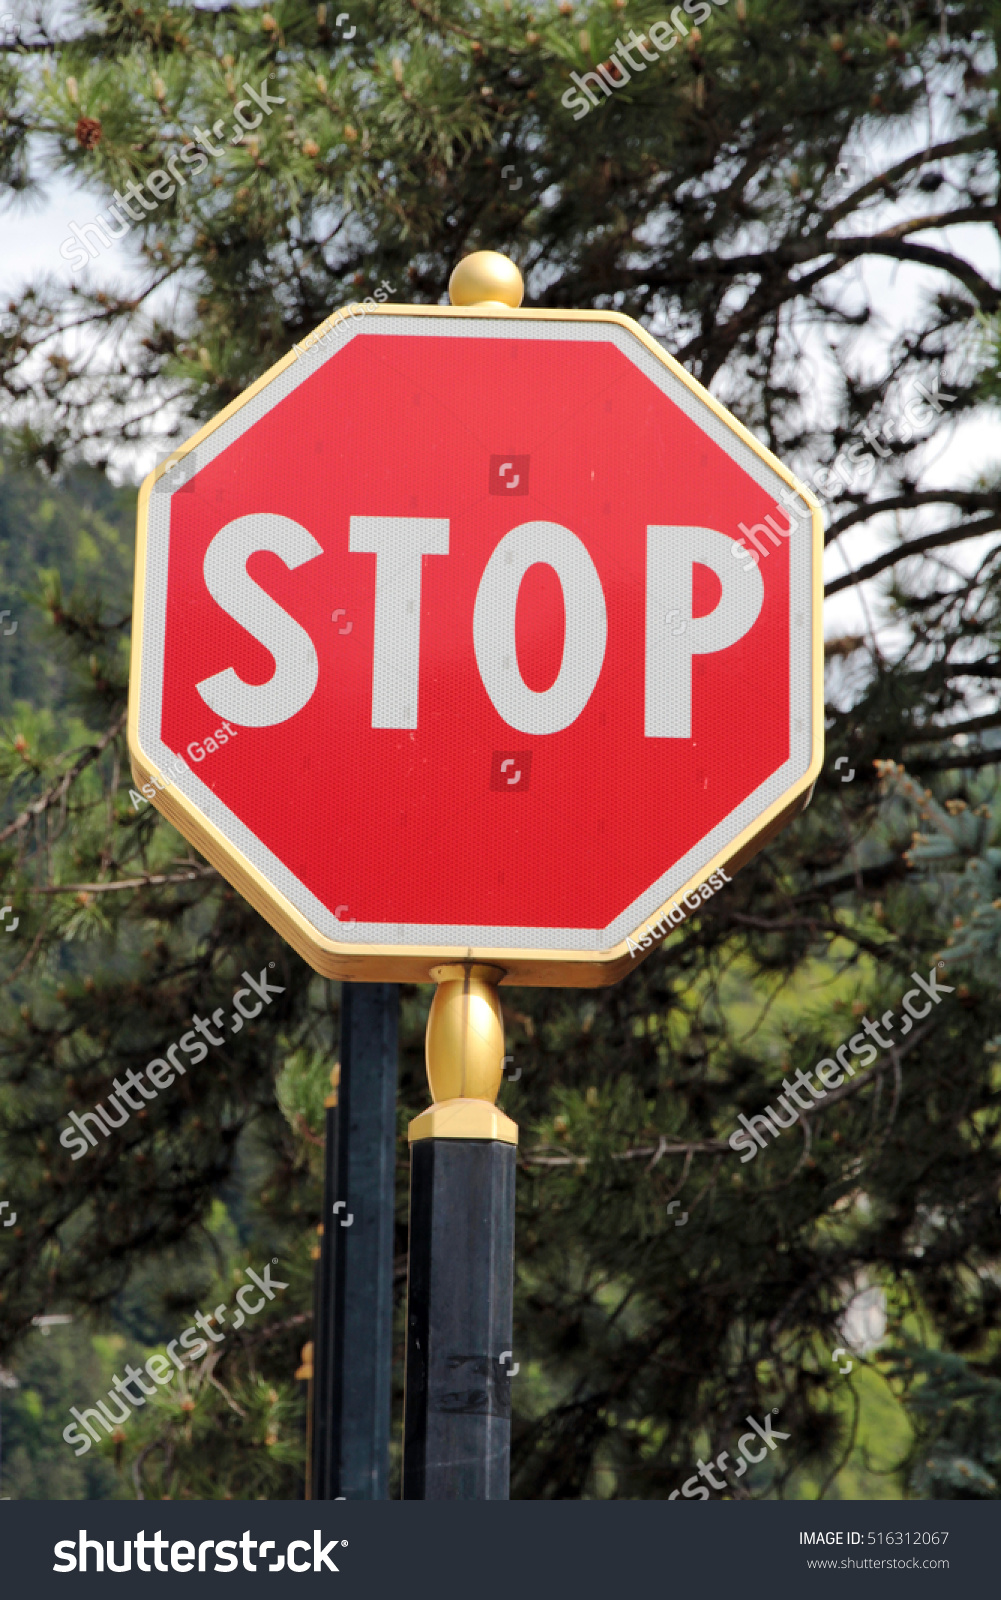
(411, 963)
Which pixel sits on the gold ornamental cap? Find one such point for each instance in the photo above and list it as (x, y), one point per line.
(486, 278)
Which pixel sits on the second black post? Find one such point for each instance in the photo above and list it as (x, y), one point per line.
(354, 1304)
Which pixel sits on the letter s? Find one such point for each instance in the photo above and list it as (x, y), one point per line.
(235, 592)
(742, 1140)
(700, 1492)
(739, 548)
(227, 1549)
(857, 1049)
(698, 11)
(65, 1548)
(185, 1340)
(189, 155)
(70, 247)
(67, 1138)
(573, 97)
(189, 1049)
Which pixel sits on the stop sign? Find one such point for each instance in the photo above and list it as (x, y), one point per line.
(472, 634)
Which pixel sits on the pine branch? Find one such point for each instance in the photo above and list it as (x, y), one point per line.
(962, 499)
(536, 1158)
(913, 547)
(151, 880)
(53, 796)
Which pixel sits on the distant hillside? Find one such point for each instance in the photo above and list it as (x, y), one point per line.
(80, 527)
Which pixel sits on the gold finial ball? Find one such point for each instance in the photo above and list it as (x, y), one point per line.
(486, 278)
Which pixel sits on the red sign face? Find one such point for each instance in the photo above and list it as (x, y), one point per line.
(469, 634)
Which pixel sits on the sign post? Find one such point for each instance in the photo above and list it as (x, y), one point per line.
(457, 1423)
(479, 646)
(354, 1333)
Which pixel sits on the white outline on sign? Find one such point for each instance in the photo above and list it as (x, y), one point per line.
(686, 868)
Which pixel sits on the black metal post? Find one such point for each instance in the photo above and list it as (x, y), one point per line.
(457, 1425)
(353, 1361)
(323, 1308)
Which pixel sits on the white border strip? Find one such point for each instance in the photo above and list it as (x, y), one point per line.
(451, 934)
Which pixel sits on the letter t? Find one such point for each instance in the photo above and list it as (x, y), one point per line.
(399, 545)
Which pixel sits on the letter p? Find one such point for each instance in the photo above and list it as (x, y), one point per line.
(671, 555)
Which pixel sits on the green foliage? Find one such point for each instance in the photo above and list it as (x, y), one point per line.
(956, 1405)
(302, 1086)
(232, 1425)
(56, 1369)
(52, 539)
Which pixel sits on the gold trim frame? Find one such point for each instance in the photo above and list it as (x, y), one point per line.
(413, 963)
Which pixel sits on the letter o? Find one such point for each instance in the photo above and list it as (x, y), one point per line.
(742, 1447)
(250, 1015)
(251, 1311)
(246, 122)
(298, 1544)
(913, 1010)
(553, 709)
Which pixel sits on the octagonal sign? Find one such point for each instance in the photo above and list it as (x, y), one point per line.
(476, 634)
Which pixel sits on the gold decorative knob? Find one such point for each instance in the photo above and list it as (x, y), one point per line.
(465, 1057)
(486, 278)
(465, 1037)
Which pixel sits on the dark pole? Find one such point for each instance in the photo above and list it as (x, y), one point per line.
(353, 1363)
(457, 1411)
(323, 1308)
(457, 1431)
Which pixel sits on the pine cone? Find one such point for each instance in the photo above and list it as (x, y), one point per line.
(88, 133)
